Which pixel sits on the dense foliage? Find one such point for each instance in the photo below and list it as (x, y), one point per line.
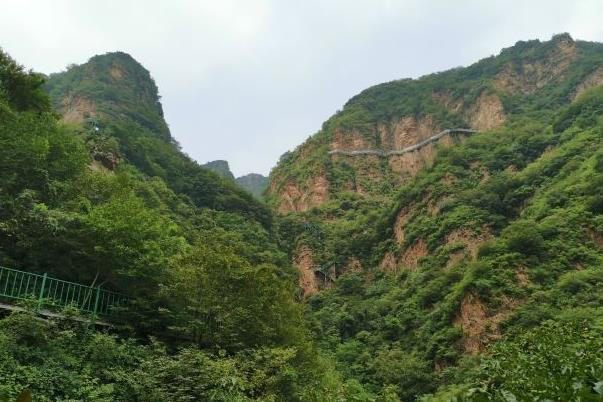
(126, 119)
(212, 314)
(504, 303)
(510, 220)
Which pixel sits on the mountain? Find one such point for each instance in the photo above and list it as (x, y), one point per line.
(115, 97)
(255, 183)
(94, 193)
(439, 239)
(220, 167)
(321, 181)
(422, 247)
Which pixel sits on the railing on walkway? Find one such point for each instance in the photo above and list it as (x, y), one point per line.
(419, 145)
(55, 293)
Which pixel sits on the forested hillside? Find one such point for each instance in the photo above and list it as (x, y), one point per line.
(484, 244)
(468, 267)
(107, 199)
(116, 95)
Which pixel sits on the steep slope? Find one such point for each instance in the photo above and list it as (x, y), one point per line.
(346, 189)
(209, 286)
(115, 97)
(428, 258)
(402, 113)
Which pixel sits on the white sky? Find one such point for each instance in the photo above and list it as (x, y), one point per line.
(247, 80)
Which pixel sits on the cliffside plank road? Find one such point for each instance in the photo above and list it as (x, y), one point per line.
(403, 151)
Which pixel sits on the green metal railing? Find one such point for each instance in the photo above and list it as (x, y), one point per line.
(52, 292)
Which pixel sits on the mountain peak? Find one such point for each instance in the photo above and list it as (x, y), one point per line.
(111, 85)
(220, 167)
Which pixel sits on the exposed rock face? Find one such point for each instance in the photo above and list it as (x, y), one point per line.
(470, 239)
(472, 320)
(304, 262)
(487, 113)
(414, 253)
(117, 72)
(395, 135)
(388, 263)
(478, 326)
(294, 199)
(401, 221)
(353, 265)
(528, 76)
(592, 80)
(76, 109)
(351, 140)
(409, 164)
(405, 132)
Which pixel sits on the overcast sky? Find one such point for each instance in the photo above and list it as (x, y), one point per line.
(248, 80)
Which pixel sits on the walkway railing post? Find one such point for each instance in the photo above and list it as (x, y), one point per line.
(96, 302)
(41, 296)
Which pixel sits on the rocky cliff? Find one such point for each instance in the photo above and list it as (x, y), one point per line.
(424, 260)
(355, 165)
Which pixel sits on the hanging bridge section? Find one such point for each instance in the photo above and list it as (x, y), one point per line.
(50, 295)
(403, 151)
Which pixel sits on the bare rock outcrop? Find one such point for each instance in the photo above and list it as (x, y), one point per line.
(304, 262)
(470, 239)
(487, 112)
(404, 132)
(412, 255)
(478, 326)
(528, 77)
(472, 320)
(76, 109)
(592, 80)
(294, 198)
(388, 263)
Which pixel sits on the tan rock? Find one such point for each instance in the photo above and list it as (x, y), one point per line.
(487, 113)
(388, 263)
(479, 327)
(470, 239)
(77, 108)
(594, 79)
(528, 77)
(414, 253)
(472, 320)
(314, 193)
(304, 262)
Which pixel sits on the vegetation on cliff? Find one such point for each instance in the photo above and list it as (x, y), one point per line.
(471, 270)
(433, 280)
(212, 311)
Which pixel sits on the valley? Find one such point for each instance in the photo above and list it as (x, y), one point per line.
(438, 239)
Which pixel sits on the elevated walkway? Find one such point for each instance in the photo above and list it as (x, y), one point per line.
(50, 295)
(402, 151)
